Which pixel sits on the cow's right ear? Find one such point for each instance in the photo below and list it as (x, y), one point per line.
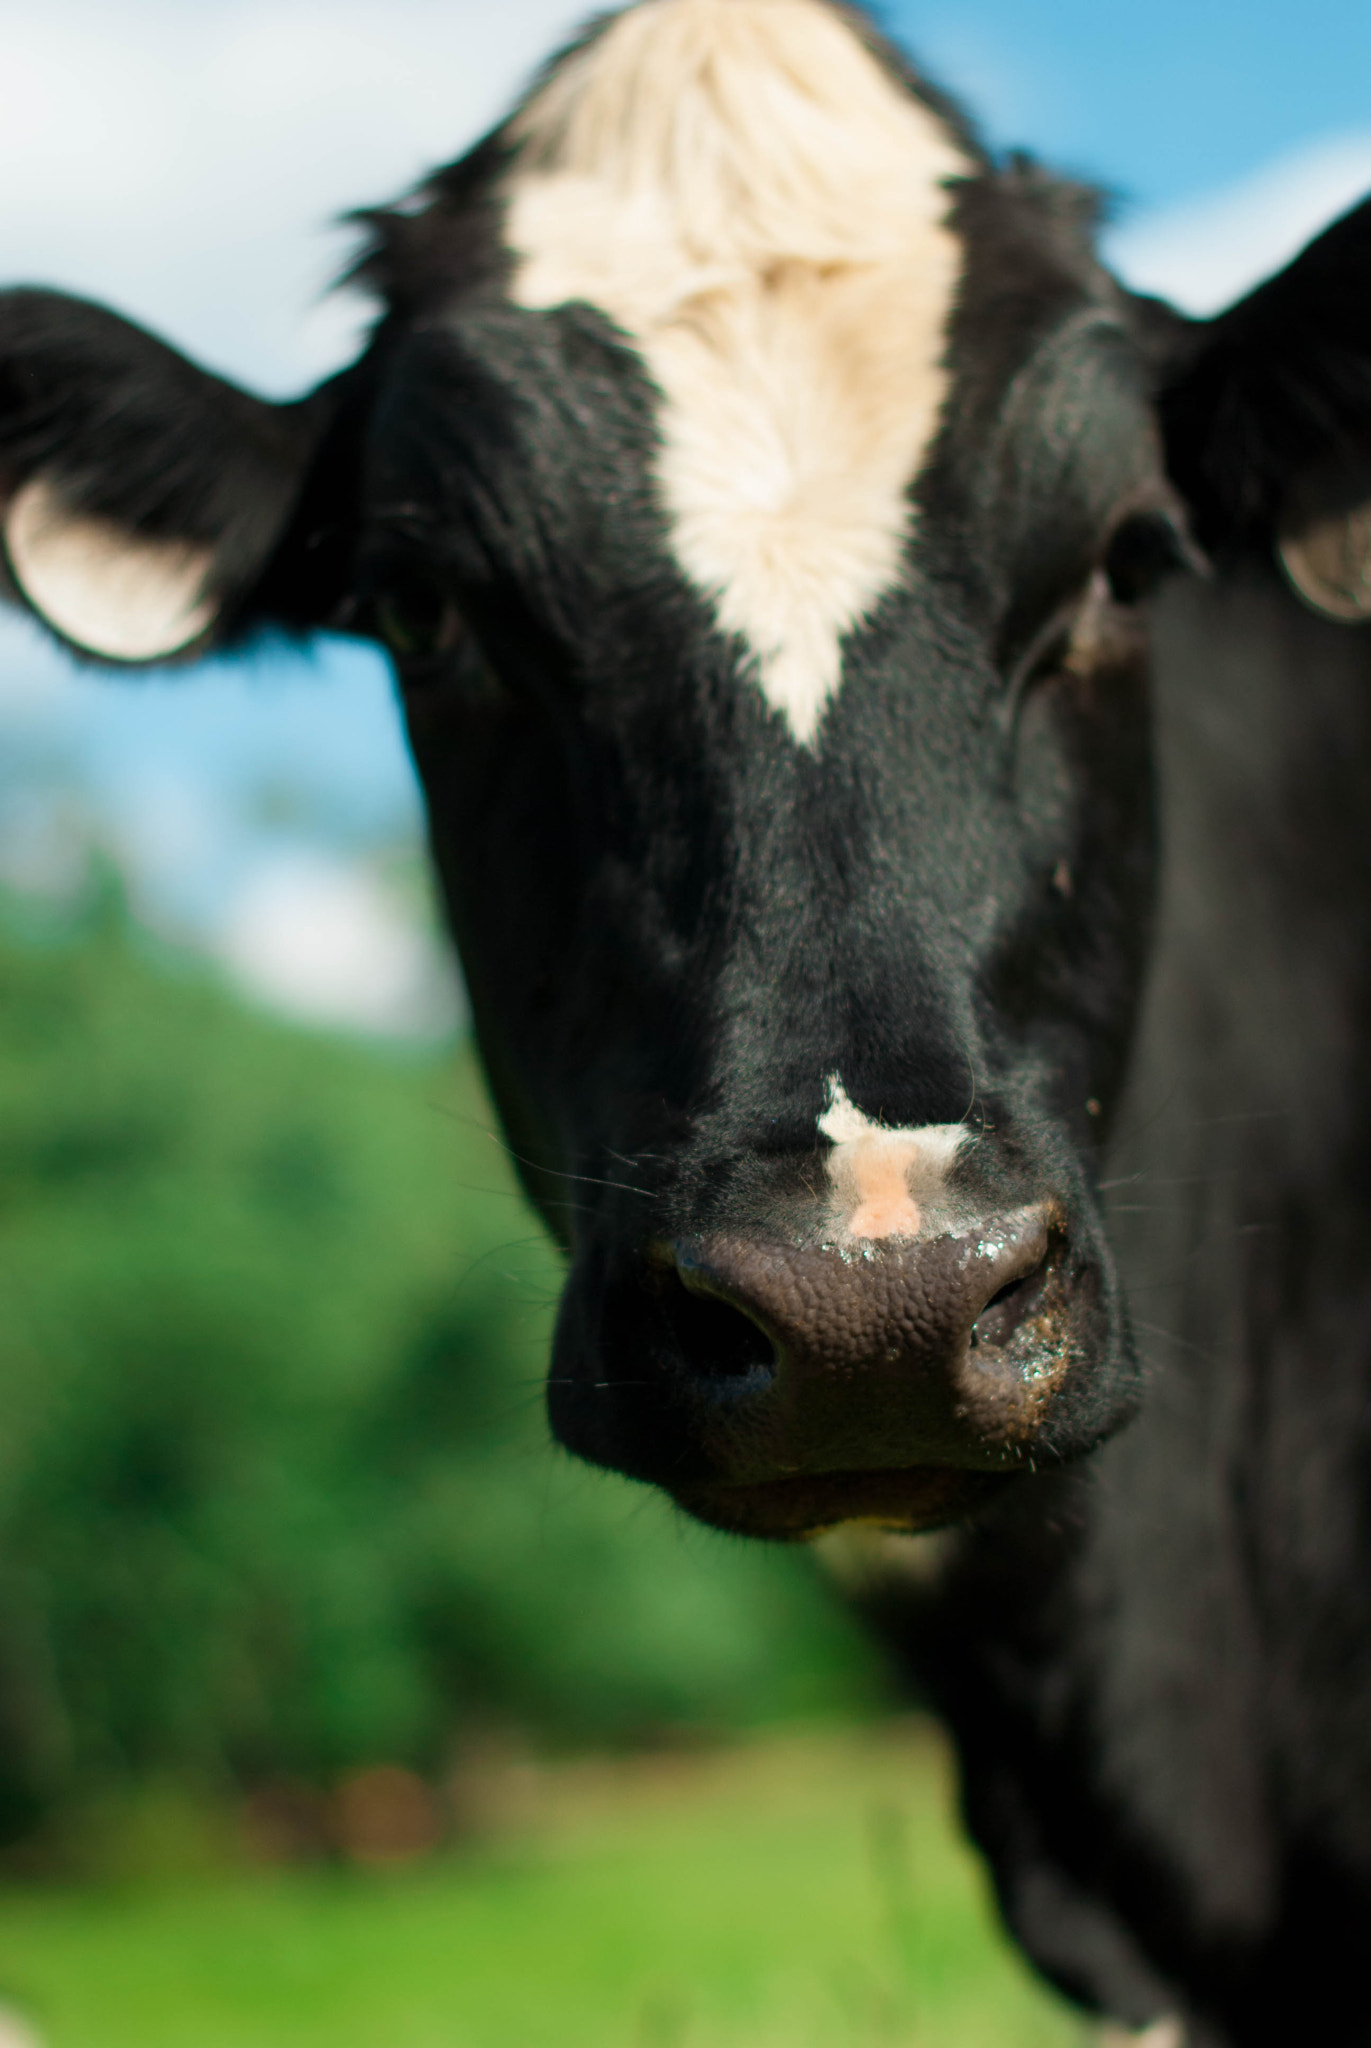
(143, 502)
(1266, 417)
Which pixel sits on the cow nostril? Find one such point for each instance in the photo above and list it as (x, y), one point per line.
(716, 1340)
(1004, 1312)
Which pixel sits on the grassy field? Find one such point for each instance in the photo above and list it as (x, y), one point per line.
(807, 1891)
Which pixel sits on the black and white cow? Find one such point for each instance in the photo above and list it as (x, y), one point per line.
(896, 715)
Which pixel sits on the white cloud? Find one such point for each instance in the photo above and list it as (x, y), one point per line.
(1207, 252)
(185, 163)
(188, 163)
(329, 943)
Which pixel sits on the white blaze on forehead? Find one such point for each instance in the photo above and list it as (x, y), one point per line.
(110, 592)
(886, 1182)
(743, 188)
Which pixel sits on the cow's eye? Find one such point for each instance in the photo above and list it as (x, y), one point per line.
(1097, 627)
(1144, 550)
(416, 618)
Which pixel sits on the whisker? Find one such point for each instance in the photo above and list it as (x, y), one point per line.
(562, 1173)
(1204, 1351)
(473, 1123)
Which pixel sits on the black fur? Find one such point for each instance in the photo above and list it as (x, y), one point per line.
(1111, 907)
(128, 430)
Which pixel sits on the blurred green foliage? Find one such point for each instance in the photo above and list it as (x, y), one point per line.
(276, 1496)
(797, 1892)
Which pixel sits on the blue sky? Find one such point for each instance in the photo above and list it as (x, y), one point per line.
(1161, 100)
(185, 160)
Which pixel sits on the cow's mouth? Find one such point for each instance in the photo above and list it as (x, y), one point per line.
(792, 1510)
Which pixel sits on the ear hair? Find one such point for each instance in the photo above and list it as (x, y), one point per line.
(1323, 538)
(108, 592)
(140, 498)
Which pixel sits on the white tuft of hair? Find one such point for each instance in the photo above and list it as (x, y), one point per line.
(762, 207)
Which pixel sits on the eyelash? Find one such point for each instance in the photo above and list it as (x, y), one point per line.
(1142, 551)
(1048, 652)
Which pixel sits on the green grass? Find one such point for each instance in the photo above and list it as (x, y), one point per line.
(803, 1892)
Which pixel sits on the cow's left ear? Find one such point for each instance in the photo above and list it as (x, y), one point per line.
(143, 502)
(1266, 417)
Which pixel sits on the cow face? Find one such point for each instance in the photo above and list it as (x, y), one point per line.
(761, 496)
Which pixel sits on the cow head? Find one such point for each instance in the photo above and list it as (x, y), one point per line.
(762, 495)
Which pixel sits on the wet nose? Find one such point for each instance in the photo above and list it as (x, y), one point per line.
(873, 1356)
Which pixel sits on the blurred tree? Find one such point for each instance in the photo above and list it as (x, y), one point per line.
(275, 1492)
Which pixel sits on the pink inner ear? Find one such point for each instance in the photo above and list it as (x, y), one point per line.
(1328, 562)
(109, 592)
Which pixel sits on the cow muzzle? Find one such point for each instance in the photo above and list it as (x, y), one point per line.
(776, 1389)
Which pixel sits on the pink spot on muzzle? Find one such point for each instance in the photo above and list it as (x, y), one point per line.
(876, 1171)
(887, 1182)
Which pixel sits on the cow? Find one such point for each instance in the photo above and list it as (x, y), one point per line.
(894, 709)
